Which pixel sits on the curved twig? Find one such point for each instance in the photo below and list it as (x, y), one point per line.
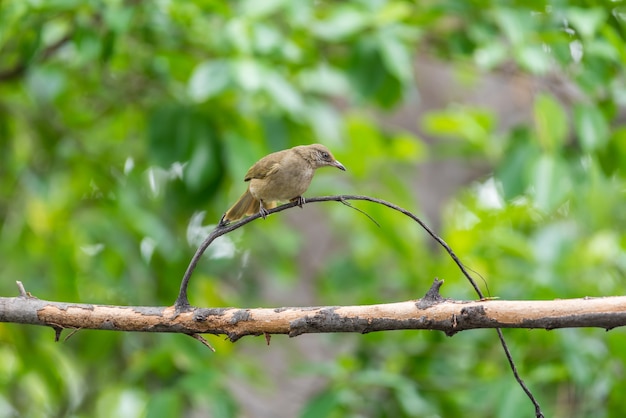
(182, 302)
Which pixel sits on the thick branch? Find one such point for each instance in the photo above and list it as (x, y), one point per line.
(449, 316)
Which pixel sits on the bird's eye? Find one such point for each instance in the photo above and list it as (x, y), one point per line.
(325, 155)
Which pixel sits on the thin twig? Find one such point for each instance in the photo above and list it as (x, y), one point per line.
(22, 290)
(348, 204)
(57, 333)
(481, 278)
(202, 340)
(509, 357)
(71, 334)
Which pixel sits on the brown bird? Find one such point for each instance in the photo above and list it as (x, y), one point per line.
(280, 176)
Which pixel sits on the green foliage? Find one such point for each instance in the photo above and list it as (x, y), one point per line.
(127, 126)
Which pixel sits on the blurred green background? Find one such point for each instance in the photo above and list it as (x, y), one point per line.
(126, 128)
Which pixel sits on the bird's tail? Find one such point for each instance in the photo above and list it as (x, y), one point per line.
(244, 206)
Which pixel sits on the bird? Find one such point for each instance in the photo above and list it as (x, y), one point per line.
(280, 176)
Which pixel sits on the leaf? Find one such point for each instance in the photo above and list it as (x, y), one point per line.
(518, 156)
(342, 23)
(46, 84)
(613, 158)
(260, 9)
(325, 122)
(550, 122)
(321, 405)
(118, 400)
(591, 127)
(324, 79)
(179, 135)
(249, 74)
(203, 163)
(267, 38)
(407, 147)
(535, 59)
(396, 56)
(393, 12)
(236, 32)
(208, 79)
(168, 139)
(166, 403)
(516, 24)
(363, 134)
(118, 19)
(365, 71)
(283, 93)
(491, 55)
(473, 125)
(615, 40)
(404, 389)
(586, 21)
(551, 182)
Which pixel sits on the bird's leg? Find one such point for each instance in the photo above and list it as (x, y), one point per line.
(300, 200)
(262, 210)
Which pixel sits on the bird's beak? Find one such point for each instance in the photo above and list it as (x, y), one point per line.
(339, 165)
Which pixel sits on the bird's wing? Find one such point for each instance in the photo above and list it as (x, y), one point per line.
(262, 169)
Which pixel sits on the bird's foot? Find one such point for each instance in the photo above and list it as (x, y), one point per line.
(300, 200)
(263, 212)
(223, 221)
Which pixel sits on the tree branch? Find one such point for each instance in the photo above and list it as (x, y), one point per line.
(182, 301)
(429, 313)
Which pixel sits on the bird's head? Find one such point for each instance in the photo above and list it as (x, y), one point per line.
(320, 156)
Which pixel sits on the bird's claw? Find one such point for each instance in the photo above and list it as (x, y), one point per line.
(263, 212)
(300, 200)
